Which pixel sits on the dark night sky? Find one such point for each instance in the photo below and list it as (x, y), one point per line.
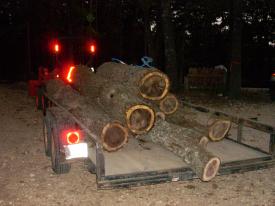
(202, 33)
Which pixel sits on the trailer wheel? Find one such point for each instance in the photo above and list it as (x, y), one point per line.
(57, 166)
(47, 137)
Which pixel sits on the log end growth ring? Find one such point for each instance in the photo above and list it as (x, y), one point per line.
(154, 85)
(169, 104)
(219, 129)
(114, 136)
(211, 169)
(140, 118)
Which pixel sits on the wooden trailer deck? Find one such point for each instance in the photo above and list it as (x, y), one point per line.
(134, 158)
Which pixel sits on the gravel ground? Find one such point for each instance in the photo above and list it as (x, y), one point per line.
(26, 177)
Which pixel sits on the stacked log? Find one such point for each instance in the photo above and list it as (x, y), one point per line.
(120, 96)
(149, 83)
(112, 133)
(215, 130)
(115, 99)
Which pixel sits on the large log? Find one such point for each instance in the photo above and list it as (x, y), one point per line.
(113, 134)
(149, 83)
(184, 145)
(121, 104)
(215, 131)
(87, 82)
(115, 99)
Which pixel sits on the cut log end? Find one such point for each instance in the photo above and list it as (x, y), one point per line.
(211, 169)
(204, 141)
(219, 129)
(114, 136)
(169, 104)
(140, 119)
(154, 85)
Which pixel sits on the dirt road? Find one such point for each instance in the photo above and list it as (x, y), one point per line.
(26, 177)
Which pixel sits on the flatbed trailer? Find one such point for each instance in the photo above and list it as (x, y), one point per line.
(141, 163)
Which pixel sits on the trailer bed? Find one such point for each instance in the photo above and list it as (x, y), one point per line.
(136, 157)
(140, 163)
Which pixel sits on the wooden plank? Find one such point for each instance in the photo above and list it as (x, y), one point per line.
(230, 151)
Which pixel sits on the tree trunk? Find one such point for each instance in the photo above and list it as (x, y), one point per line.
(215, 131)
(184, 144)
(169, 44)
(150, 83)
(235, 75)
(115, 99)
(111, 133)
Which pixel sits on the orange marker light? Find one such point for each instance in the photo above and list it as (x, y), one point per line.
(73, 137)
(69, 76)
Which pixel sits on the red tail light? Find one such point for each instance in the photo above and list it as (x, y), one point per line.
(69, 75)
(92, 48)
(73, 137)
(56, 48)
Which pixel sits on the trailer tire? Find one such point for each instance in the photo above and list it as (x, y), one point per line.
(47, 137)
(58, 166)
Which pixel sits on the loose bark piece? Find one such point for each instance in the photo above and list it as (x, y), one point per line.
(149, 83)
(184, 144)
(111, 133)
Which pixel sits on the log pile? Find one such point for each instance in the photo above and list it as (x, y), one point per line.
(122, 100)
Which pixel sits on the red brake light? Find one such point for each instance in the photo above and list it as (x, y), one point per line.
(69, 76)
(73, 137)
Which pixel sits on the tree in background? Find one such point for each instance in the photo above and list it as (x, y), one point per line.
(169, 43)
(235, 69)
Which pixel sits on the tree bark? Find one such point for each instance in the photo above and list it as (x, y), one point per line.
(111, 132)
(235, 73)
(184, 144)
(150, 83)
(169, 44)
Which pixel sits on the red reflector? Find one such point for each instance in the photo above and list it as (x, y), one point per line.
(69, 76)
(73, 137)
